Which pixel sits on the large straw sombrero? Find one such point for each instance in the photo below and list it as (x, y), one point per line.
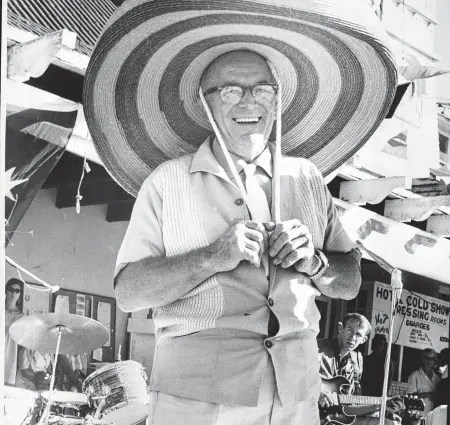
(141, 85)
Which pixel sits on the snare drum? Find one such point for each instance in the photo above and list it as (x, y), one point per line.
(66, 404)
(122, 387)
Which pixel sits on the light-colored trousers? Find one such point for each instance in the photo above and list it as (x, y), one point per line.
(166, 409)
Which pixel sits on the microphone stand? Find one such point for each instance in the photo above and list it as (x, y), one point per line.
(397, 287)
(49, 288)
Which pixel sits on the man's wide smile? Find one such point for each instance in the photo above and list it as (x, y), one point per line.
(247, 120)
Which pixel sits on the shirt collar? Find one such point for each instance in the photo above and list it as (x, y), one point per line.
(204, 160)
(337, 348)
(211, 159)
(421, 371)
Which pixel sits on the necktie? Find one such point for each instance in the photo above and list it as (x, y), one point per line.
(257, 202)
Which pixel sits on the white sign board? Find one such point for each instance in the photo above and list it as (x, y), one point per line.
(420, 321)
(35, 301)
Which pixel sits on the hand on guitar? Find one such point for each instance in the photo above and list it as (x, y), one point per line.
(395, 404)
(326, 399)
(339, 406)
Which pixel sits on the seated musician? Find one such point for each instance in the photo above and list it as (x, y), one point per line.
(423, 381)
(71, 371)
(338, 358)
(35, 369)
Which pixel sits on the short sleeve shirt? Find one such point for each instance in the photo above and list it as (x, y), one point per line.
(212, 344)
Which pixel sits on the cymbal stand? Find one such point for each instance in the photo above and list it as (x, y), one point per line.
(52, 380)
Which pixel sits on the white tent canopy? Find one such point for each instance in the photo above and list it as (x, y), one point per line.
(26, 96)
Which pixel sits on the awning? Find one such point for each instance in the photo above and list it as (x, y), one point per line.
(401, 245)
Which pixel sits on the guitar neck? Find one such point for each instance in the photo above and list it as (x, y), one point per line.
(358, 399)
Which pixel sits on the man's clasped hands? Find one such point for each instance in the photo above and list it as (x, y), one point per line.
(288, 243)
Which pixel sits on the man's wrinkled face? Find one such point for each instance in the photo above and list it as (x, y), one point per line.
(245, 126)
(352, 334)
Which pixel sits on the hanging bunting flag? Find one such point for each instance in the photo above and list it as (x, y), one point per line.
(35, 139)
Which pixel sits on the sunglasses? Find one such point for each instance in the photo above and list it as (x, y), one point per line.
(233, 94)
(14, 290)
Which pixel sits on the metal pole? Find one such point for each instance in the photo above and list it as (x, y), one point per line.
(397, 286)
(52, 381)
(400, 365)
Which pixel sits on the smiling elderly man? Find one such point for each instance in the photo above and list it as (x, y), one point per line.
(227, 332)
(228, 242)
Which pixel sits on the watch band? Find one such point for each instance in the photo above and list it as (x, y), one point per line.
(322, 267)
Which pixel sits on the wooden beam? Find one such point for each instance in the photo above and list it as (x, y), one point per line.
(65, 58)
(439, 225)
(66, 178)
(418, 209)
(372, 191)
(93, 194)
(31, 59)
(68, 172)
(119, 212)
(429, 187)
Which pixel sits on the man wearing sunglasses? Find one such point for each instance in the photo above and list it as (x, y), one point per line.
(239, 336)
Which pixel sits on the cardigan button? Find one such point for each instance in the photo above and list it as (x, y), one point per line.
(239, 202)
(268, 343)
(270, 302)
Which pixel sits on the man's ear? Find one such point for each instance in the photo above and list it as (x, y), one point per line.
(340, 326)
(365, 339)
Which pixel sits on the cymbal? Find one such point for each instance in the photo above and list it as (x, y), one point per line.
(40, 332)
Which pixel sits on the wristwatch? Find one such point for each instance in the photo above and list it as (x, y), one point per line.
(322, 267)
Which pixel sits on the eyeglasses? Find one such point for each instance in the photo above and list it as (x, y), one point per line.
(14, 290)
(233, 94)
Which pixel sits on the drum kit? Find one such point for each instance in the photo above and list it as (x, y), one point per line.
(115, 394)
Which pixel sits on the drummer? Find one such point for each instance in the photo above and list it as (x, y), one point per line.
(35, 370)
(71, 370)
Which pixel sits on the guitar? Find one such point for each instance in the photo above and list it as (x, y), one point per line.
(339, 387)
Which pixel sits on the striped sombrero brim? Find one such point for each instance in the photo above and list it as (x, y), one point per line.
(140, 96)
